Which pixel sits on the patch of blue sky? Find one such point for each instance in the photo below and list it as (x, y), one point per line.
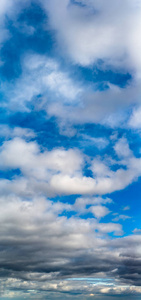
(87, 171)
(46, 128)
(10, 174)
(4, 116)
(78, 2)
(68, 214)
(134, 140)
(96, 74)
(66, 199)
(24, 41)
(130, 196)
(47, 131)
(94, 280)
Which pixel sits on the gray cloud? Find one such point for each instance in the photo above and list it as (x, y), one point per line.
(39, 249)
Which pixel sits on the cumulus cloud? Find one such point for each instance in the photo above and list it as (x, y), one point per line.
(60, 171)
(18, 153)
(99, 211)
(90, 30)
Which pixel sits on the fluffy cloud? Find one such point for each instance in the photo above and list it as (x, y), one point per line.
(18, 153)
(90, 30)
(108, 107)
(61, 171)
(99, 211)
(44, 85)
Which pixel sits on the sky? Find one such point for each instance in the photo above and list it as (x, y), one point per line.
(70, 149)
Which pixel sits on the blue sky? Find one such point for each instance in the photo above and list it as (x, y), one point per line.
(70, 152)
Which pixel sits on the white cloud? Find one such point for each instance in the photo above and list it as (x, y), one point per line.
(126, 207)
(45, 86)
(81, 202)
(87, 33)
(9, 132)
(41, 76)
(109, 107)
(17, 153)
(94, 32)
(135, 119)
(99, 211)
(61, 171)
(121, 217)
(122, 149)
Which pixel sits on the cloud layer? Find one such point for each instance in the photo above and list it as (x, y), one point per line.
(70, 164)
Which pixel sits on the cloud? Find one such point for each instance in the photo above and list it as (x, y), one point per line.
(99, 211)
(44, 249)
(135, 119)
(121, 217)
(8, 132)
(137, 231)
(81, 202)
(94, 205)
(110, 107)
(44, 241)
(60, 171)
(122, 149)
(104, 180)
(126, 207)
(42, 81)
(90, 30)
(44, 85)
(86, 33)
(18, 153)
(61, 236)
(71, 287)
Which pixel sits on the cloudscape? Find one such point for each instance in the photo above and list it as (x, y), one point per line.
(70, 149)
